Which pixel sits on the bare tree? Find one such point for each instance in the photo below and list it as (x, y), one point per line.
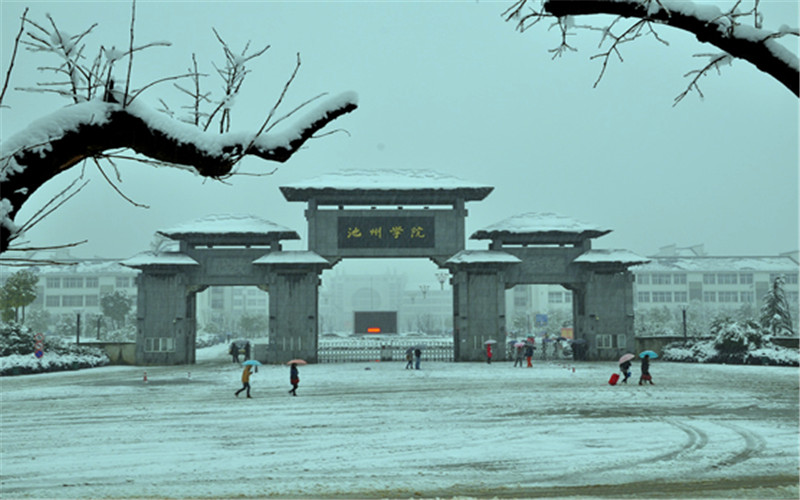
(633, 19)
(105, 120)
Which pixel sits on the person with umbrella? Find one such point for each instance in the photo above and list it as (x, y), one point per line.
(646, 377)
(625, 367)
(489, 352)
(245, 379)
(518, 353)
(294, 379)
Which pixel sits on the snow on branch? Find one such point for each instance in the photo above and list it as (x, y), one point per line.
(709, 24)
(103, 121)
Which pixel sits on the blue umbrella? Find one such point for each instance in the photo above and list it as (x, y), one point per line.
(653, 355)
(252, 362)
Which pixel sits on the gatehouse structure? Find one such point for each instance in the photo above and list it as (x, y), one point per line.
(383, 214)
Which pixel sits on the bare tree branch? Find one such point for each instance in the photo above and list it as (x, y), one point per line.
(13, 56)
(724, 37)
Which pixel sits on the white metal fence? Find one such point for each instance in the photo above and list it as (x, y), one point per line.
(371, 349)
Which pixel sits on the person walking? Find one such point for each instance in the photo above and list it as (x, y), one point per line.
(294, 379)
(646, 377)
(625, 368)
(518, 356)
(489, 353)
(409, 358)
(418, 356)
(245, 380)
(529, 354)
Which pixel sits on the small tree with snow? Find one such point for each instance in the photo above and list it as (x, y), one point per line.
(735, 338)
(776, 317)
(116, 305)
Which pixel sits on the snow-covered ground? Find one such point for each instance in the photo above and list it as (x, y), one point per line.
(378, 430)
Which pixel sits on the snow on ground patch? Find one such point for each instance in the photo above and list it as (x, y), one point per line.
(378, 430)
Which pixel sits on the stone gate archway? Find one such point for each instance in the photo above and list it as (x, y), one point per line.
(381, 214)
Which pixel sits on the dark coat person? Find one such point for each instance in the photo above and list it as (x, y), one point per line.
(625, 368)
(646, 377)
(294, 379)
(234, 351)
(417, 356)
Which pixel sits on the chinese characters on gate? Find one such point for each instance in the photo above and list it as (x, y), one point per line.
(386, 232)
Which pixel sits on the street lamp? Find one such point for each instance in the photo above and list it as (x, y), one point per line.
(442, 277)
(424, 289)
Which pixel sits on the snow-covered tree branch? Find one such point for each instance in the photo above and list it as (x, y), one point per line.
(103, 121)
(708, 23)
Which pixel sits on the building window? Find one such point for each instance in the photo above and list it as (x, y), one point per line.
(217, 303)
(604, 341)
(92, 282)
(681, 297)
(728, 297)
(746, 279)
(555, 297)
(709, 296)
(746, 297)
(643, 279)
(72, 301)
(791, 279)
(662, 296)
(679, 279)
(123, 282)
(622, 340)
(52, 301)
(568, 297)
(73, 282)
(159, 344)
(643, 296)
(53, 282)
(662, 279)
(91, 301)
(709, 279)
(727, 278)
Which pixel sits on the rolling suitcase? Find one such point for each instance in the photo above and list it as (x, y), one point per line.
(614, 378)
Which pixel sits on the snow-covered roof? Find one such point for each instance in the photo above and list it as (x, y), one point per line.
(99, 267)
(231, 229)
(610, 256)
(539, 227)
(159, 259)
(385, 187)
(292, 257)
(482, 256)
(720, 264)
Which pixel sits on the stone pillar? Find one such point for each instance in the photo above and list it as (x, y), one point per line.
(293, 311)
(608, 312)
(479, 314)
(165, 321)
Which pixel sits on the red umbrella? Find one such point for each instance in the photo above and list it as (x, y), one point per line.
(626, 357)
(296, 362)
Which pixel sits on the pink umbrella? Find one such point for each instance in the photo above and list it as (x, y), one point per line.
(519, 344)
(626, 357)
(296, 362)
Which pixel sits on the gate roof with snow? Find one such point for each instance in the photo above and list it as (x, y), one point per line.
(385, 187)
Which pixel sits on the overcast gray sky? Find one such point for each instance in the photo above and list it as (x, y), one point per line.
(449, 86)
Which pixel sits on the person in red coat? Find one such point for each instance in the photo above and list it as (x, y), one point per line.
(489, 353)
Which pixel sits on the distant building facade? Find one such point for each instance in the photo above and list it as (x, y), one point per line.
(682, 278)
(71, 289)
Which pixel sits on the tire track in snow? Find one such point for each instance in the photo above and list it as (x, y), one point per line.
(754, 444)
